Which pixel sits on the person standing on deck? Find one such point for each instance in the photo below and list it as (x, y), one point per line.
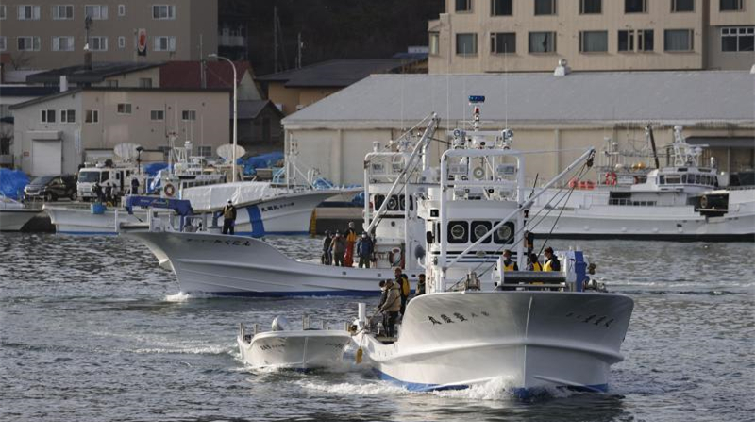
(229, 218)
(405, 289)
(364, 250)
(338, 247)
(508, 263)
(391, 307)
(327, 253)
(134, 186)
(534, 263)
(421, 287)
(551, 261)
(351, 238)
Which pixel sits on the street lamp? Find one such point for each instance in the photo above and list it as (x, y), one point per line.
(235, 111)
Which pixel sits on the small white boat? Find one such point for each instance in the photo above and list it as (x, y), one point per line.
(13, 214)
(283, 348)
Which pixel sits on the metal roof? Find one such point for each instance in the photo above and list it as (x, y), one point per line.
(678, 97)
(108, 89)
(334, 73)
(250, 109)
(81, 74)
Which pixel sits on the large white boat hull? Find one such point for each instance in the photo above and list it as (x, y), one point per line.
(236, 265)
(586, 218)
(287, 215)
(533, 341)
(15, 220)
(296, 349)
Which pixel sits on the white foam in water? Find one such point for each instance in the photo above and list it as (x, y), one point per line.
(368, 388)
(178, 297)
(197, 350)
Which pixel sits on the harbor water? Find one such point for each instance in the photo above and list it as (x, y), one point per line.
(91, 329)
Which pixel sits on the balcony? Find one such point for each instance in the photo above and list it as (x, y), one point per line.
(231, 38)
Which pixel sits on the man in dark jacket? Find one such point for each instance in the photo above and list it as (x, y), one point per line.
(364, 250)
(229, 218)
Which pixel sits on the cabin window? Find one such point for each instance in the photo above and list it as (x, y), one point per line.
(379, 201)
(457, 232)
(480, 229)
(504, 234)
(104, 176)
(691, 178)
(673, 180)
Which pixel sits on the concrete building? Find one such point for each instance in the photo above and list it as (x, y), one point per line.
(11, 95)
(546, 112)
(42, 35)
(483, 36)
(295, 89)
(55, 134)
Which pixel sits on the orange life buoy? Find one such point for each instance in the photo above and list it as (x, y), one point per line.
(169, 190)
(610, 179)
(573, 182)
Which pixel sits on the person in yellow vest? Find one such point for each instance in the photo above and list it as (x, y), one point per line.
(534, 263)
(229, 218)
(508, 263)
(405, 288)
(551, 262)
(351, 239)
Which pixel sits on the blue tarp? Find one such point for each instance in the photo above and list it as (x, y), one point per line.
(251, 164)
(12, 183)
(151, 169)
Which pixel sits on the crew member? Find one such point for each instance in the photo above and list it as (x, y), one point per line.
(338, 247)
(351, 238)
(391, 307)
(134, 186)
(364, 250)
(508, 263)
(327, 254)
(551, 261)
(229, 218)
(534, 263)
(405, 289)
(421, 288)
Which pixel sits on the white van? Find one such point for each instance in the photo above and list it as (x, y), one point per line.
(119, 178)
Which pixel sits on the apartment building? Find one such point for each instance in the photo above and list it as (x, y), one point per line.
(37, 34)
(56, 133)
(480, 36)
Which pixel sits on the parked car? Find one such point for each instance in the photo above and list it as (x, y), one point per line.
(50, 188)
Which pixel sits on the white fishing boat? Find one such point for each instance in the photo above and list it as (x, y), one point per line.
(395, 177)
(535, 330)
(284, 348)
(682, 201)
(13, 214)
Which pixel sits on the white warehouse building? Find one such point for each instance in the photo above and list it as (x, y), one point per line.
(545, 112)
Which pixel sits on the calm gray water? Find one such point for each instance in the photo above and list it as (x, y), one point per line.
(92, 330)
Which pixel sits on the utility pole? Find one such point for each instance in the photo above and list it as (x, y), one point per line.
(275, 36)
(299, 47)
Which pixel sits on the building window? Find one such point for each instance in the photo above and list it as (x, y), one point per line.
(466, 44)
(157, 115)
(463, 5)
(634, 6)
(542, 42)
(737, 38)
(645, 40)
(3, 12)
(121, 42)
(62, 44)
(682, 5)
(92, 116)
(590, 6)
(163, 12)
(124, 108)
(121, 10)
(188, 115)
(112, 83)
(204, 151)
(503, 42)
(729, 5)
(501, 8)
(68, 116)
(29, 43)
(48, 116)
(3, 43)
(165, 43)
(593, 41)
(626, 40)
(28, 13)
(434, 44)
(545, 7)
(97, 12)
(98, 43)
(678, 40)
(145, 82)
(61, 13)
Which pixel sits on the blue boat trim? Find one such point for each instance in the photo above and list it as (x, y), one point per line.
(522, 393)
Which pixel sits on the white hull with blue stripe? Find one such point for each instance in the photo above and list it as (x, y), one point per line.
(533, 341)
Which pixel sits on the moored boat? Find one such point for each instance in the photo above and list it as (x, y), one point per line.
(13, 214)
